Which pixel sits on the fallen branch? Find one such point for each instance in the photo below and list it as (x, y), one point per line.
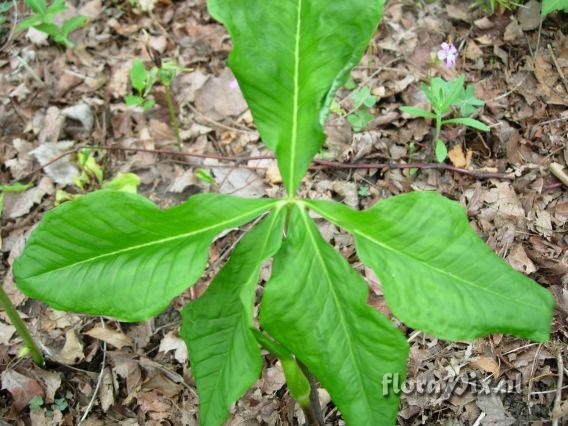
(318, 164)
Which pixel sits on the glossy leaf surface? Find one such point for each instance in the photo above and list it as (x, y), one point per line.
(290, 57)
(225, 357)
(438, 276)
(315, 304)
(117, 254)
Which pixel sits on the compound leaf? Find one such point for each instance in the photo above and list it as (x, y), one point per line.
(315, 305)
(225, 357)
(290, 57)
(117, 254)
(438, 276)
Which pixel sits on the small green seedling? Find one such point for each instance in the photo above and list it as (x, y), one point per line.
(43, 21)
(143, 81)
(117, 254)
(92, 178)
(359, 116)
(448, 97)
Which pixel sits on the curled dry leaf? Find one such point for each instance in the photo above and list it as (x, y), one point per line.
(172, 342)
(112, 337)
(72, 351)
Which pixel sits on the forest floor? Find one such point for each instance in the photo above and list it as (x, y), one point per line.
(53, 100)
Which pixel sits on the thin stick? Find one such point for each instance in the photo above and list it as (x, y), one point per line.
(319, 164)
(438, 166)
(558, 67)
(557, 410)
(557, 170)
(21, 328)
(99, 381)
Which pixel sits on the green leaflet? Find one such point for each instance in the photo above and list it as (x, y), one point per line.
(225, 357)
(549, 6)
(117, 254)
(290, 57)
(438, 276)
(315, 305)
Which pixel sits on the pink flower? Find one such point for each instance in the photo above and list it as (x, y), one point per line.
(234, 84)
(448, 54)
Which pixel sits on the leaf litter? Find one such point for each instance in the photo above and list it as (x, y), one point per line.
(59, 100)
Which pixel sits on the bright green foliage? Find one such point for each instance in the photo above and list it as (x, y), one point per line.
(142, 83)
(444, 281)
(116, 254)
(549, 6)
(445, 96)
(43, 20)
(315, 304)
(363, 100)
(283, 63)
(123, 248)
(225, 358)
(296, 381)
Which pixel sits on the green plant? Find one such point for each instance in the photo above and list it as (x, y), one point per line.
(119, 255)
(143, 81)
(359, 116)
(549, 6)
(43, 20)
(92, 177)
(446, 97)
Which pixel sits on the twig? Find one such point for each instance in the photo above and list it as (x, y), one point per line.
(318, 164)
(557, 410)
(216, 123)
(438, 166)
(557, 170)
(99, 381)
(553, 56)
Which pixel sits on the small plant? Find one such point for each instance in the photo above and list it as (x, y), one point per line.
(359, 116)
(143, 81)
(117, 254)
(447, 97)
(43, 20)
(92, 177)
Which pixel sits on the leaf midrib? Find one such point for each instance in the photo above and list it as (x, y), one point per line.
(355, 231)
(295, 106)
(342, 318)
(268, 235)
(154, 243)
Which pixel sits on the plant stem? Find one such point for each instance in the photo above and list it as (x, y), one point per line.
(21, 328)
(313, 412)
(173, 118)
(438, 128)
